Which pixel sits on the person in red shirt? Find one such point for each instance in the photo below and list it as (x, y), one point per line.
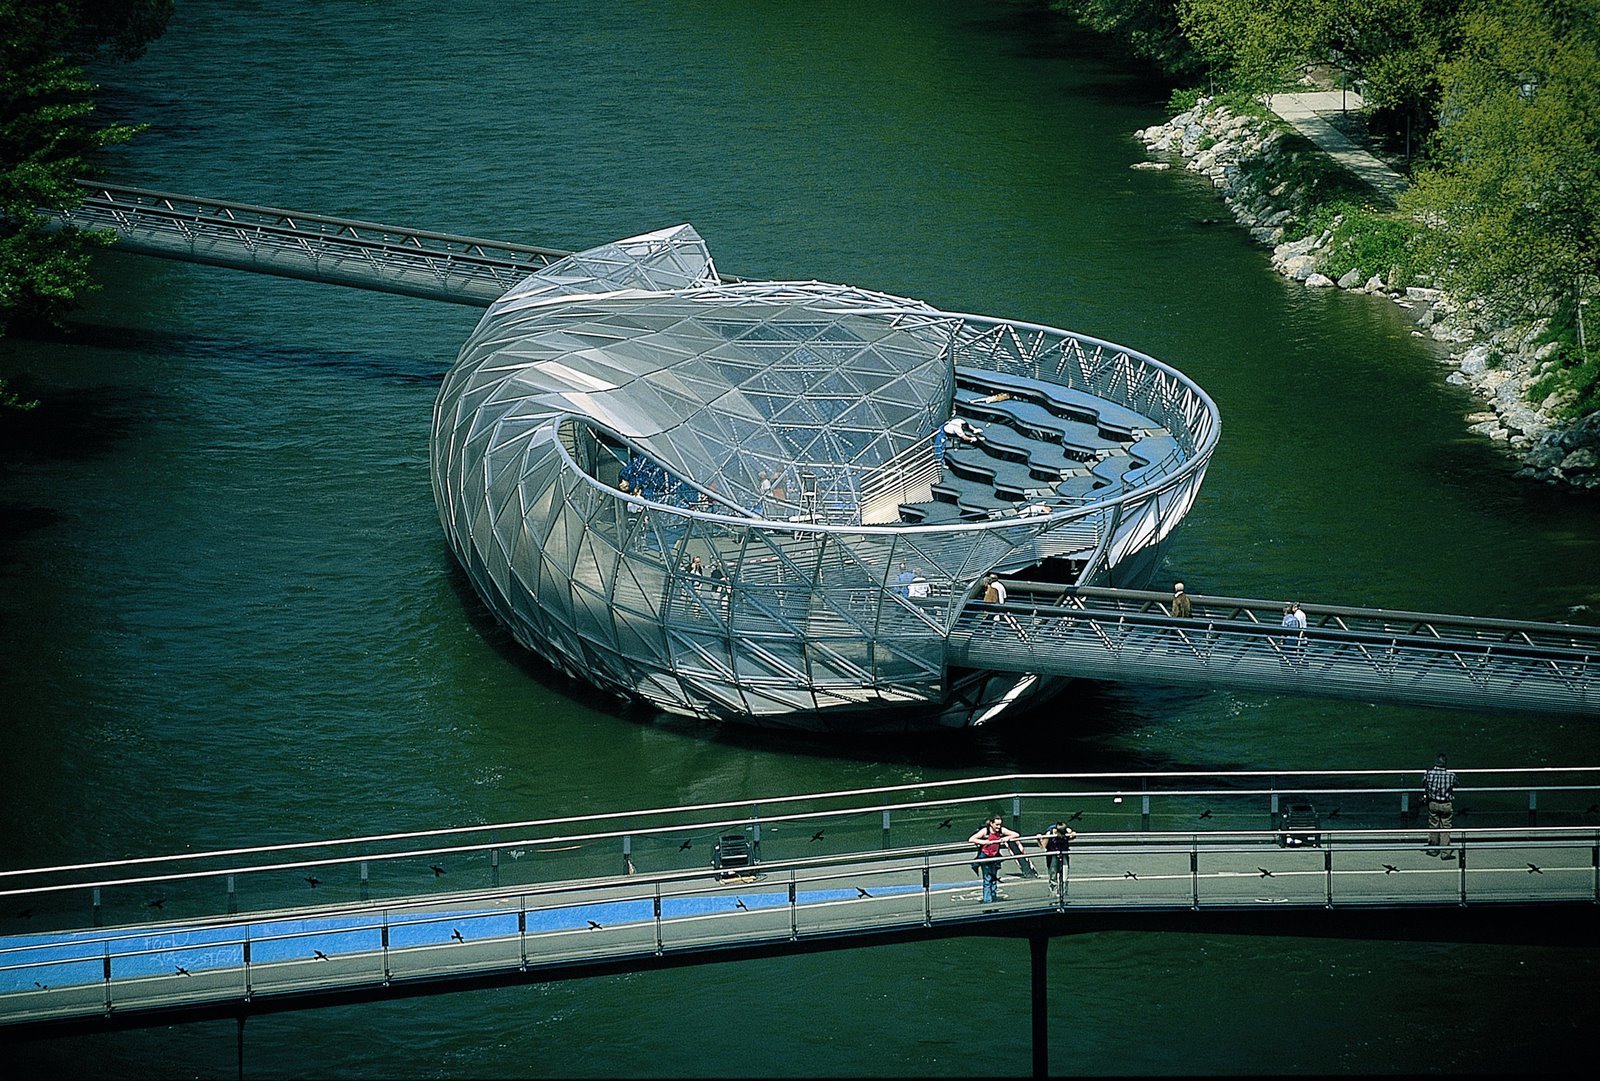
(990, 838)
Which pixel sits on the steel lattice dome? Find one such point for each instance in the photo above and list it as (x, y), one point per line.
(712, 494)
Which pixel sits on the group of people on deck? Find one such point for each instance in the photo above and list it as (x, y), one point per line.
(994, 842)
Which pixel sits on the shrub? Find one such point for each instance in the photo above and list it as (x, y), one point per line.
(1373, 243)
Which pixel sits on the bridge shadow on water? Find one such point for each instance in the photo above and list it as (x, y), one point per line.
(217, 350)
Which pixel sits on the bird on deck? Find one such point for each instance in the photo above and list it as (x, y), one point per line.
(817, 836)
(313, 881)
(157, 903)
(1264, 872)
(457, 935)
(593, 926)
(1389, 868)
(183, 971)
(1534, 869)
(685, 846)
(944, 825)
(437, 870)
(1076, 816)
(1130, 874)
(1206, 813)
(862, 893)
(738, 902)
(319, 955)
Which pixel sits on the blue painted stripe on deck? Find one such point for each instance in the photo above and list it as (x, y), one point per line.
(76, 957)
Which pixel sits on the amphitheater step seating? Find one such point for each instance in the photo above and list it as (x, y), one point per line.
(1040, 438)
(1079, 439)
(1113, 420)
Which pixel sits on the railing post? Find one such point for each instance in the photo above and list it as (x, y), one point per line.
(886, 828)
(105, 963)
(364, 890)
(755, 839)
(1327, 867)
(1016, 813)
(927, 895)
(1405, 804)
(383, 933)
(494, 866)
(627, 853)
(1194, 876)
(1461, 864)
(94, 900)
(656, 916)
(1533, 807)
(233, 899)
(247, 988)
(794, 911)
(1144, 813)
(522, 931)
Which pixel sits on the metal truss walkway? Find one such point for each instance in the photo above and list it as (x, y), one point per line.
(245, 931)
(1369, 654)
(311, 247)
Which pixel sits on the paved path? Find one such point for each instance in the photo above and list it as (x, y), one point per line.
(1304, 113)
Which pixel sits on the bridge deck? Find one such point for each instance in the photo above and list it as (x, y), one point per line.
(1362, 653)
(158, 966)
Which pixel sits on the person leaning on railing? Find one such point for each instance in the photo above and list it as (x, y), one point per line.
(1439, 790)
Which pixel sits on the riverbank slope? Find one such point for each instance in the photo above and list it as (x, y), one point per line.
(1258, 165)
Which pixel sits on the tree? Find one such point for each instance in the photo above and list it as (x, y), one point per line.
(48, 137)
(1515, 184)
(1149, 28)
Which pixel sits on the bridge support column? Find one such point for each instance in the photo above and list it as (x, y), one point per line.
(1037, 945)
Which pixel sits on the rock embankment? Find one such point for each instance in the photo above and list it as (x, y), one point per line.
(1499, 362)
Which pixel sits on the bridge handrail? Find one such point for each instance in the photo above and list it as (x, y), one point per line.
(1260, 604)
(954, 855)
(974, 611)
(717, 824)
(93, 190)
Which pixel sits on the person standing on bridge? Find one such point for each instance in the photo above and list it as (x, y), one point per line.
(990, 838)
(1439, 789)
(1181, 608)
(1057, 857)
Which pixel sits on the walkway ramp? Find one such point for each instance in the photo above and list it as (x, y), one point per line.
(1367, 654)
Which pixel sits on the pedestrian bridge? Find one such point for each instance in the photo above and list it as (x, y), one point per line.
(242, 931)
(1360, 653)
(1369, 654)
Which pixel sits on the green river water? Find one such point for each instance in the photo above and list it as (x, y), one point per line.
(228, 615)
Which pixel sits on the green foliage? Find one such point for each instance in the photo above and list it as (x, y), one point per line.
(1373, 242)
(1147, 28)
(1182, 101)
(49, 137)
(1514, 189)
(1257, 46)
(1575, 365)
(9, 401)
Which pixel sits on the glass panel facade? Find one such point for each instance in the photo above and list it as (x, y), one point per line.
(658, 480)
